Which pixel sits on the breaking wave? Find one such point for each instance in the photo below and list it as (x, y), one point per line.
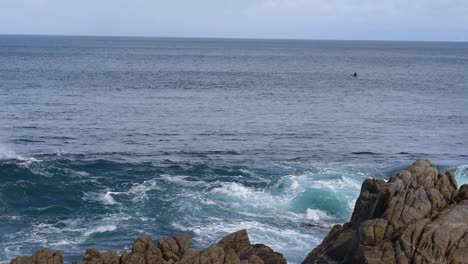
(72, 204)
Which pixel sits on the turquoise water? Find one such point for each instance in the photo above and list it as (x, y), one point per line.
(106, 139)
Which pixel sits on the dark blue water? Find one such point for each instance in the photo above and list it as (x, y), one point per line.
(106, 139)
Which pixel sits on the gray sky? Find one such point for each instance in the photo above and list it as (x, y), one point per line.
(304, 19)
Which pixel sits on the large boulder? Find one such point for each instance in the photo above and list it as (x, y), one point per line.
(418, 216)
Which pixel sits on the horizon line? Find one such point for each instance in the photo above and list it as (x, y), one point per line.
(227, 38)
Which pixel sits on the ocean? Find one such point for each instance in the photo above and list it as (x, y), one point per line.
(105, 139)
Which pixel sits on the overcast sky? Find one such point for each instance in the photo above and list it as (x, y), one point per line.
(303, 19)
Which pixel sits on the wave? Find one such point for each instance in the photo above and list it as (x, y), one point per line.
(461, 174)
(74, 203)
(7, 154)
(364, 153)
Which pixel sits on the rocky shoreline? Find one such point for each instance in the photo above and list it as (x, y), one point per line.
(234, 248)
(417, 216)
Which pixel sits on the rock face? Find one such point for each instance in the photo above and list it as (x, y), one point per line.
(43, 256)
(418, 216)
(232, 249)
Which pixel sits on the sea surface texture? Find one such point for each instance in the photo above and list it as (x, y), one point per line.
(105, 139)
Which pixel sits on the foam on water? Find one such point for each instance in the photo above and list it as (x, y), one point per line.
(7, 153)
(288, 206)
(317, 215)
(105, 198)
(461, 174)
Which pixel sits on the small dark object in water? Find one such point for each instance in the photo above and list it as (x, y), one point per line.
(355, 75)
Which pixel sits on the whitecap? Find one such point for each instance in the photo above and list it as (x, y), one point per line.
(461, 174)
(139, 191)
(100, 229)
(103, 198)
(317, 215)
(8, 154)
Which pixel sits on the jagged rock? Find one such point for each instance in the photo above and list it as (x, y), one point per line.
(169, 248)
(412, 218)
(238, 241)
(266, 254)
(22, 260)
(43, 256)
(184, 241)
(91, 254)
(230, 257)
(254, 260)
(211, 255)
(110, 257)
(234, 248)
(462, 193)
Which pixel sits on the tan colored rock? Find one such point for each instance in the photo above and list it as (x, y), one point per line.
(110, 257)
(169, 248)
(238, 241)
(254, 260)
(142, 244)
(412, 218)
(22, 260)
(90, 254)
(43, 256)
(184, 241)
(265, 253)
(212, 255)
(234, 248)
(231, 257)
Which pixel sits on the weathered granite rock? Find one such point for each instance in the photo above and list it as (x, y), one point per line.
(235, 248)
(418, 216)
(43, 256)
(239, 242)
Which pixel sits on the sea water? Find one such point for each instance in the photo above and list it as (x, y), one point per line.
(104, 139)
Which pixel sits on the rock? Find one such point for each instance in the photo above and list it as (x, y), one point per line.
(169, 248)
(231, 257)
(234, 248)
(239, 242)
(43, 256)
(22, 260)
(142, 244)
(211, 255)
(418, 216)
(110, 257)
(462, 193)
(184, 241)
(90, 254)
(143, 252)
(266, 254)
(254, 260)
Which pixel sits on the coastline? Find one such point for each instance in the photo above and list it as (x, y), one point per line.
(402, 220)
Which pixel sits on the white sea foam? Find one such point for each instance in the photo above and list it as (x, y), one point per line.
(105, 198)
(100, 229)
(7, 153)
(139, 191)
(317, 216)
(461, 174)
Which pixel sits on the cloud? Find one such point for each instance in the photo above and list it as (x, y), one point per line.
(336, 19)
